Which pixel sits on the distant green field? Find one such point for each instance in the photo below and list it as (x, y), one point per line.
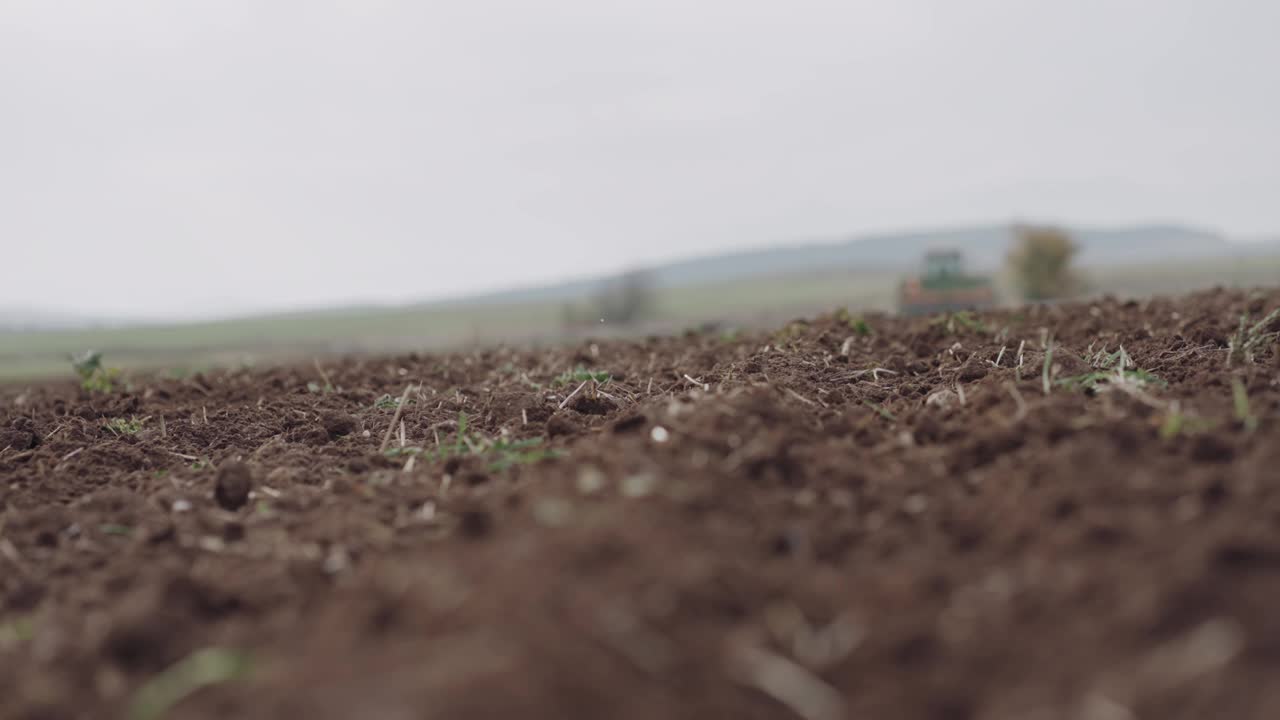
(756, 301)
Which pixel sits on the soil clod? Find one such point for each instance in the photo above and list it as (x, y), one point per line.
(338, 424)
(233, 484)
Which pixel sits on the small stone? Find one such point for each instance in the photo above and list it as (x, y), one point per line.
(638, 486)
(336, 560)
(806, 498)
(590, 480)
(552, 511)
(181, 506)
(944, 398)
(841, 498)
(659, 434)
(231, 489)
(915, 504)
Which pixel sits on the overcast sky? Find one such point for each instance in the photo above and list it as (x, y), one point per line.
(174, 158)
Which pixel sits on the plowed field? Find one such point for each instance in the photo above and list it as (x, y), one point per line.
(1057, 512)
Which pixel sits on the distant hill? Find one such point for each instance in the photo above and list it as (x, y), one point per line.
(21, 319)
(892, 253)
(984, 247)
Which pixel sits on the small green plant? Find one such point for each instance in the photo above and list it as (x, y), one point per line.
(857, 323)
(94, 376)
(120, 426)
(1113, 368)
(1177, 424)
(1106, 361)
(114, 529)
(957, 322)
(386, 402)
(1249, 339)
(501, 453)
(1091, 381)
(581, 375)
(509, 453)
(1240, 400)
(881, 411)
(210, 666)
(16, 631)
(788, 334)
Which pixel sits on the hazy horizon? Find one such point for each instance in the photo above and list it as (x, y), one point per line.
(223, 159)
(52, 316)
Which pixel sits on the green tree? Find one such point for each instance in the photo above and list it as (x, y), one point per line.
(1041, 263)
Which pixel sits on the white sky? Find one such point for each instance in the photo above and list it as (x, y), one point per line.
(180, 158)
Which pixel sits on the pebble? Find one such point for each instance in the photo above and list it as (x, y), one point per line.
(552, 511)
(638, 486)
(915, 504)
(590, 480)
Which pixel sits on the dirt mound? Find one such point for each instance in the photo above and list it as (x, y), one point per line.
(1056, 512)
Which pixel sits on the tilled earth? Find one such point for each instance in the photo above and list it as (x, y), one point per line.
(820, 523)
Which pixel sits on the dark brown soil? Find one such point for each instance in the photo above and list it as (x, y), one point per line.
(806, 524)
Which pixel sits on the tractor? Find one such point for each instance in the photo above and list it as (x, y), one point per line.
(945, 287)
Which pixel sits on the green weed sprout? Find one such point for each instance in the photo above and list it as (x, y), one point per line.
(94, 377)
(581, 374)
(858, 324)
(210, 666)
(1240, 399)
(1249, 339)
(1093, 380)
(956, 322)
(1114, 368)
(16, 631)
(1177, 424)
(386, 402)
(501, 453)
(120, 426)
